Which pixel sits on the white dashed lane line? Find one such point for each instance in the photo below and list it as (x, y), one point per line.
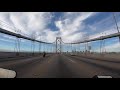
(49, 61)
(70, 59)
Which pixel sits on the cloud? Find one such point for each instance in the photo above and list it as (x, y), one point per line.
(103, 27)
(11, 39)
(113, 47)
(71, 24)
(6, 40)
(107, 32)
(27, 22)
(50, 36)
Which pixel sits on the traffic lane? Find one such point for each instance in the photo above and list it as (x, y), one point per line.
(111, 60)
(114, 67)
(58, 68)
(9, 59)
(52, 67)
(96, 68)
(26, 70)
(38, 69)
(78, 70)
(65, 67)
(5, 59)
(19, 62)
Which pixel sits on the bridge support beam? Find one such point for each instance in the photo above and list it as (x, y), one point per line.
(58, 45)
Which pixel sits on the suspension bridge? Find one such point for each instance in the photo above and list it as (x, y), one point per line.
(62, 60)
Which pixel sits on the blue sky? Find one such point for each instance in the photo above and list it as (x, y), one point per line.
(71, 26)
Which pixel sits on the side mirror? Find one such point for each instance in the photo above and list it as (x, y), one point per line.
(5, 73)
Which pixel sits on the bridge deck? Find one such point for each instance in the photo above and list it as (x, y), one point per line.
(61, 66)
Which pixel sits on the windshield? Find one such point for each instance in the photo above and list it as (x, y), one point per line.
(60, 44)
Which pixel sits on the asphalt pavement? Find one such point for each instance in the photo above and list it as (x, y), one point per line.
(61, 66)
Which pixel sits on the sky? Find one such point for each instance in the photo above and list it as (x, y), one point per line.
(70, 26)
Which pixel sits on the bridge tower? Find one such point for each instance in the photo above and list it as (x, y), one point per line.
(58, 44)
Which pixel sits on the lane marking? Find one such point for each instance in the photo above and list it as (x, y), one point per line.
(70, 59)
(49, 61)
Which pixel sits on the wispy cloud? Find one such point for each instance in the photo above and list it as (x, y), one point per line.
(71, 26)
(27, 22)
(113, 47)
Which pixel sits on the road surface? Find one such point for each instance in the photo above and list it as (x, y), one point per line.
(61, 66)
